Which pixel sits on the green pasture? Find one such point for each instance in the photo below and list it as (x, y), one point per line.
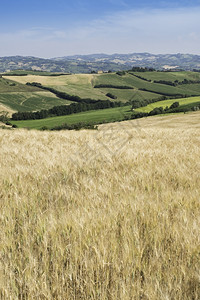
(182, 101)
(169, 76)
(138, 83)
(82, 85)
(97, 116)
(31, 101)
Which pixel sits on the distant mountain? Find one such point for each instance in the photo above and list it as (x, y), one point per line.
(103, 62)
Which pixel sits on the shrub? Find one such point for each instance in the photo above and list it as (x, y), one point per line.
(174, 105)
(111, 96)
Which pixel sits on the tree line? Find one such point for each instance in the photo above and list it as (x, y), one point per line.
(140, 77)
(144, 102)
(142, 69)
(176, 82)
(63, 95)
(63, 110)
(166, 93)
(125, 87)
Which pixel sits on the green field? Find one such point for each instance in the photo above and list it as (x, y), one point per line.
(82, 85)
(26, 101)
(169, 76)
(16, 95)
(138, 83)
(182, 101)
(20, 97)
(98, 116)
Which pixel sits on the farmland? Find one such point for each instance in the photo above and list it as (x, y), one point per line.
(98, 116)
(126, 87)
(170, 76)
(26, 101)
(182, 101)
(19, 97)
(83, 85)
(107, 214)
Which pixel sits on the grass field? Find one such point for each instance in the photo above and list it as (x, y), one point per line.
(97, 116)
(169, 76)
(26, 101)
(182, 101)
(135, 82)
(107, 214)
(15, 96)
(82, 85)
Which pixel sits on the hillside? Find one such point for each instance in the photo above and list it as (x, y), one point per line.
(112, 212)
(104, 62)
(118, 94)
(15, 96)
(96, 86)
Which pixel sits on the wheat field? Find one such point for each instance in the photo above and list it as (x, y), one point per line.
(107, 214)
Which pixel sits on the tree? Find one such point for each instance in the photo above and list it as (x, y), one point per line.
(174, 105)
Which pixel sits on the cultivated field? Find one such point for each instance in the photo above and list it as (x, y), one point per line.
(107, 214)
(165, 103)
(170, 76)
(104, 115)
(82, 85)
(96, 116)
(25, 101)
(15, 96)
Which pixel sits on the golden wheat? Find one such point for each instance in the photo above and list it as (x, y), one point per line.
(107, 214)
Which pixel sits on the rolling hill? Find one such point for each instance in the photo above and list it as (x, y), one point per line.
(104, 62)
(130, 88)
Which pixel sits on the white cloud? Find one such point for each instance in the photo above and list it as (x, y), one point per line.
(156, 31)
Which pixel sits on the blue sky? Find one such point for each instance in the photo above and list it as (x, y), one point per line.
(49, 28)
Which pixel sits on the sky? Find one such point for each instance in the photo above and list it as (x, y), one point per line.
(47, 28)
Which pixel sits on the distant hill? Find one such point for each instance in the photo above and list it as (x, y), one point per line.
(103, 62)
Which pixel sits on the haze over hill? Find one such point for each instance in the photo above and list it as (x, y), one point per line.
(104, 62)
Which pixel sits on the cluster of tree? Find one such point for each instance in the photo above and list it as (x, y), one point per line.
(187, 81)
(4, 117)
(111, 86)
(111, 96)
(14, 74)
(63, 110)
(176, 82)
(144, 102)
(167, 82)
(174, 108)
(184, 108)
(141, 69)
(155, 111)
(121, 73)
(42, 73)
